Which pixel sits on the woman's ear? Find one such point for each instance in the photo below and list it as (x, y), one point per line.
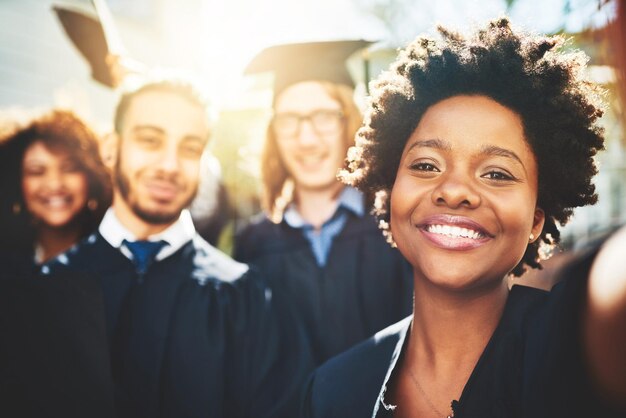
(538, 220)
(109, 149)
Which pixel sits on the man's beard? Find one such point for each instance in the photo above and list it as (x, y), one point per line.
(149, 216)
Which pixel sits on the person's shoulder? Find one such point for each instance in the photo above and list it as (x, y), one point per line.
(211, 264)
(350, 383)
(359, 224)
(213, 280)
(365, 229)
(377, 348)
(92, 253)
(260, 236)
(256, 222)
(527, 295)
(16, 263)
(565, 300)
(258, 227)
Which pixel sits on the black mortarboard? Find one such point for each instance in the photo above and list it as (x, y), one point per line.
(95, 37)
(292, 63)
(87, 35)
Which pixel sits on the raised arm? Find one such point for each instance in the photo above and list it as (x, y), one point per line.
(605, 321)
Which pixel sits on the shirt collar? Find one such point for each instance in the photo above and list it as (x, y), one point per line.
(402, 328)
(176, 235)
(350, 199)
(38, 254)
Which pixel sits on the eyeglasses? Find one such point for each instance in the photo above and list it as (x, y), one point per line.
(323, 121)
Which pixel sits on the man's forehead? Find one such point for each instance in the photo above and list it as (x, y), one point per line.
(168, 111)
(161, 96)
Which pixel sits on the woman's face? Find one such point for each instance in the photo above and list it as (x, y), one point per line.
(309, 128)
(464, 201)
(54, 188)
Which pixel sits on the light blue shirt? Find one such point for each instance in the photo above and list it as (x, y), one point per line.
(350, 200)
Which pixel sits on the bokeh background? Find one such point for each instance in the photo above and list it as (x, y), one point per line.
(212, 41)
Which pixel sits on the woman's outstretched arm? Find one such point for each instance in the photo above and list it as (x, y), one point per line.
(605, 326)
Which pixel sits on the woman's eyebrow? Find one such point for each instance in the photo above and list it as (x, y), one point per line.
(430, 143)
(493, 150)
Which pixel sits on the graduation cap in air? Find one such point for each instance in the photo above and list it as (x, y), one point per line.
(293, 63)
(96, 38)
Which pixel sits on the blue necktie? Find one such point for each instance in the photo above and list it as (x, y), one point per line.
(144, 252)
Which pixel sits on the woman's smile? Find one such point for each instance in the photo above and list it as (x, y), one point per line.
(454, 232)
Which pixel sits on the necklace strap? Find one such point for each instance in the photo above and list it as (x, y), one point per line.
(427, 398)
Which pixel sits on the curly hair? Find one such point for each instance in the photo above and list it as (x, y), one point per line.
(274, 173)
(58, 130)
(530, 74)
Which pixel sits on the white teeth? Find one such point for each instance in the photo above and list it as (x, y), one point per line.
(57, 202)
(454, 231)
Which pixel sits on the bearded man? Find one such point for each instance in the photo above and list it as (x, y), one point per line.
(191, 332)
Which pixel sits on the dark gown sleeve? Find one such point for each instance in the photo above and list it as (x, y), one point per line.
(239, 348)
(269, 358)
(54, 360)
(251, 239)
(16, 263)
(557, 380)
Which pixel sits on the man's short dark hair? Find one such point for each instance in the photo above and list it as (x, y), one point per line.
(176, 85)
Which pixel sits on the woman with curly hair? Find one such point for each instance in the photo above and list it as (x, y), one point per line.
(474, 148)
(318, 245)
(55, 189)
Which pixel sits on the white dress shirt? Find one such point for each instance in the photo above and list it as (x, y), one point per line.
(176, 235)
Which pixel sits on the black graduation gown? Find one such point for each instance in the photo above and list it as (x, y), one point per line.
(185, 343)
(365, 286)
(17, 263)
(532, 367)
(53, 356)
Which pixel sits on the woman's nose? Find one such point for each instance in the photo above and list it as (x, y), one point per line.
(456, 191)
(54, 179)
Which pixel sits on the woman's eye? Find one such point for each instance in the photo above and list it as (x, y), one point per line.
(498, 175)
(423, 167)
(70, 168)
(34, 171)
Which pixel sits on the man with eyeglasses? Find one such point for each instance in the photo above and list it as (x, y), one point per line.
(323, 121)
(319, 248)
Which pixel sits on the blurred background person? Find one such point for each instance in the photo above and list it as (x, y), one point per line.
(317, 243)
(54, 186)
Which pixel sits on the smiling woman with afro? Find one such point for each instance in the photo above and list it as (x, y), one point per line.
(525, 73)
